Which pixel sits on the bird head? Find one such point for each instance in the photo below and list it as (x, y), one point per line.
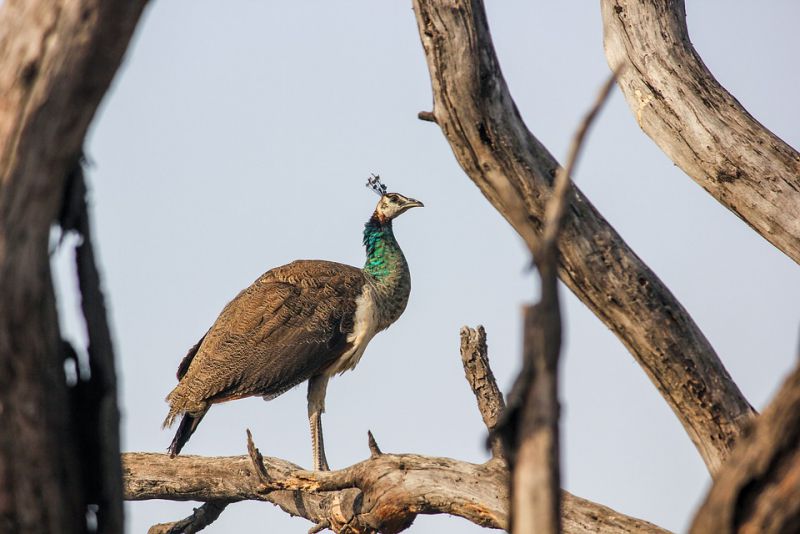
(391, 204)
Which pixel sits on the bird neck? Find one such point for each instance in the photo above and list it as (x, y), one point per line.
(385, 260)
(387, 271)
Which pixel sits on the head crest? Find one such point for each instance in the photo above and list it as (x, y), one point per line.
(374, 183)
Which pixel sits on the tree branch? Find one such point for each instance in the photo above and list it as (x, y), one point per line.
(199, 519)
(474, 356)
(758, 488)
(698, 124)
(383, 493)
(477, 115)
(530, 425)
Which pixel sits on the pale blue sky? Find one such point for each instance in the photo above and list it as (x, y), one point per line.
(238, 137)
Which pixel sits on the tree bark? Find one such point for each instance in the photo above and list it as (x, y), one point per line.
(758, 489)
(474, 357)
(477, 115)
(698, 124)
(382, 493)
(57, 58)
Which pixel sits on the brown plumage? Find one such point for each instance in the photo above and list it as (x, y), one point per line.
(306, 320)
(292, 317)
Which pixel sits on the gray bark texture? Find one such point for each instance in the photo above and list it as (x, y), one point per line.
(474, 108)
(698, 124)
(57, 58)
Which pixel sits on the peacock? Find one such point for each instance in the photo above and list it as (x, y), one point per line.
(308, 320)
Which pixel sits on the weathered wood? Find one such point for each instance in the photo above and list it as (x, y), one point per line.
(536, 470)
(477, 115)
(474, 357)
(383, 492)
(698, 124)
(57, 58)
(758, 488)
(199, 519)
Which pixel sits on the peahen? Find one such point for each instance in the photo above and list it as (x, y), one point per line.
(307, 320)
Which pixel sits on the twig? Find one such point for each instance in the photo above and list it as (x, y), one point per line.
(257, 460)
(426, 116)
(374, 450)
(556, 205)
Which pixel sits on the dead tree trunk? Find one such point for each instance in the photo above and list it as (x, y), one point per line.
(698, 124)
(57, 59)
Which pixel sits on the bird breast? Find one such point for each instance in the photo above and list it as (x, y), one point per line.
(366, 323)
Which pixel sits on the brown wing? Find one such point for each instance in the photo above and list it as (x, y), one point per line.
(287, 326)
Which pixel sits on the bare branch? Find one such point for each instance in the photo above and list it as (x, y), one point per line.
(426, 116)
(199, 519)
(477, 115)
(374, 450)
(554, 210)
(475, 358)
(382, 493)
(698, 124)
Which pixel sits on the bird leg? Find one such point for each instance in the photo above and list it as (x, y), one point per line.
(317, 385)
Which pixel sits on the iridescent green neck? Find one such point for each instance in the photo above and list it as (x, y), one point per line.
(384, 256)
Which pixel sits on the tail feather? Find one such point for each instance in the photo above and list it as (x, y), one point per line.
(186, 428)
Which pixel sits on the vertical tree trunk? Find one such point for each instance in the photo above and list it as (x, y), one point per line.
(57, 59)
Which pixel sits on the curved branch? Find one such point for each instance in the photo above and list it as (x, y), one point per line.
(477, 115)
(381, 493)
(698, 124)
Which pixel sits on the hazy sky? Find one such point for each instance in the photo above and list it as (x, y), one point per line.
(238, 137)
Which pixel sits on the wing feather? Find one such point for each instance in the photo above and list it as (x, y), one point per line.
(289, 325)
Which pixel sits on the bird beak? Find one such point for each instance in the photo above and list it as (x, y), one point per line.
(413, 203)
